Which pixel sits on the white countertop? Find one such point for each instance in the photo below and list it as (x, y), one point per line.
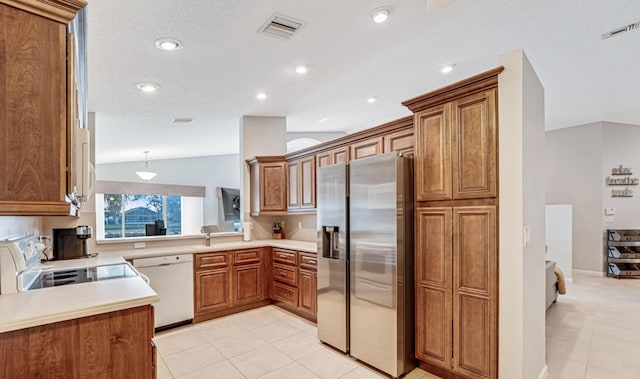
(54, 304)
(306, 246)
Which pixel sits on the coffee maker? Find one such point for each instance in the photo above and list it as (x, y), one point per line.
(71, 243)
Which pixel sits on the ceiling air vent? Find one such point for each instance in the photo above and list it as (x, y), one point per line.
(182, 120)
(618, 31)
(281, 26)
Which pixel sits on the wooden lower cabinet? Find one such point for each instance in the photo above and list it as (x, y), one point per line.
(456, 289)
(295, 282)
(212, 291)
(307, 291)
(247, 284)
(109, 345)
(230, 281)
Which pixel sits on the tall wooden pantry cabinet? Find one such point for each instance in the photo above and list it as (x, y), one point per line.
(456, 189)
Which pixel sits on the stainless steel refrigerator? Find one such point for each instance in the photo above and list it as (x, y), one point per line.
(365, 260)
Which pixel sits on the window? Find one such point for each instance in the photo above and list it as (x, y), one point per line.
(129, 215)
(134, 210)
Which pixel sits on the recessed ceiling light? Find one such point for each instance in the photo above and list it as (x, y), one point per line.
(447, 69)
(168, 44)
(301, 69)
(372, 99)
(147, 86)
(380, 15)
(261, 96)
(322, 119)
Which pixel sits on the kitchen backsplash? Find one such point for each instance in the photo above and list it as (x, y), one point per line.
(10, 225)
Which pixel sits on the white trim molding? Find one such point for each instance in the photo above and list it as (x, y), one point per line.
(544, 373)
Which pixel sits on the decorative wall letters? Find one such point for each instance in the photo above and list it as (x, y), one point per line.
(625, 180)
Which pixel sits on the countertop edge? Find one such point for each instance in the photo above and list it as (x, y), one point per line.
(85, 312)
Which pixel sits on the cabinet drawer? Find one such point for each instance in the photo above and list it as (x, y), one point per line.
(284, 256)
(246, 256)
(211, 260)
(308, 261)
(285, 274)
(285, 293)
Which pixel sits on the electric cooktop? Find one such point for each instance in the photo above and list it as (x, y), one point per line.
(82, 275)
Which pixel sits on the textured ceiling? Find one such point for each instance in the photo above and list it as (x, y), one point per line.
(225, 62)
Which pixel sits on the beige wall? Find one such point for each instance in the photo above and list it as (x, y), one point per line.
(521, 199)
(10, 225)
(259, 136)
(574, 173)
(620, 147)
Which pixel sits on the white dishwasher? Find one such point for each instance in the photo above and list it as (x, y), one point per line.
(172, 278)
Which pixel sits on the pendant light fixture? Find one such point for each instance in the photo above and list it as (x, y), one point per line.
(146, 174)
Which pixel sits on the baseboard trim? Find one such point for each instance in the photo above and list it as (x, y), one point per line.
(568, 280)
(587, 272)
(544, 373)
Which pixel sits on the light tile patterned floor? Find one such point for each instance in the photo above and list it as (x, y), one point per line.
(593, 332)
(267, 342)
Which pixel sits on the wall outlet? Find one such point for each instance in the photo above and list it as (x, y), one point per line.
(609, 211)
(527, 235)
(138, 245)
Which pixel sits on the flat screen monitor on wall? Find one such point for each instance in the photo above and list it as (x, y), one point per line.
(230, 203)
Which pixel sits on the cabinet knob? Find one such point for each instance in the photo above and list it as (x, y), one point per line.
(312, 261)
(283, 274)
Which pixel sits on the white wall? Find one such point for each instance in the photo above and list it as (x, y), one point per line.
(559, 237)
(210, 172)
(521, 172)
(574, 176)
(620, 147)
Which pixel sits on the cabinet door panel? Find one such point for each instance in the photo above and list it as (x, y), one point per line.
(323, 159)
(475, 317)
(433, 248)
(432, 157)
(307, 183)
(272, 191)
(212, 292)
(340, 155)
(293, 183)
(247, 284)
(307, 291)
(472, 336)
(474, 135)
(474, 249)
(33, 121)
(401, 141)
(366, 148)
(433, 325)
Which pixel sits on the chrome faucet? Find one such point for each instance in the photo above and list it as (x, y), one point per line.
(207, 239)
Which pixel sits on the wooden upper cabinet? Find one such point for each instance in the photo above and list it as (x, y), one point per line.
(475, 140)
(340, 155)
(268, 178)
(475, 316)
(301, 183)
(293, 187)
(307, 183)
(33, 109)
(334, 156)
(323, 158)
(432, 159)
(366, 148)
(455, 155)
(401, 141)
